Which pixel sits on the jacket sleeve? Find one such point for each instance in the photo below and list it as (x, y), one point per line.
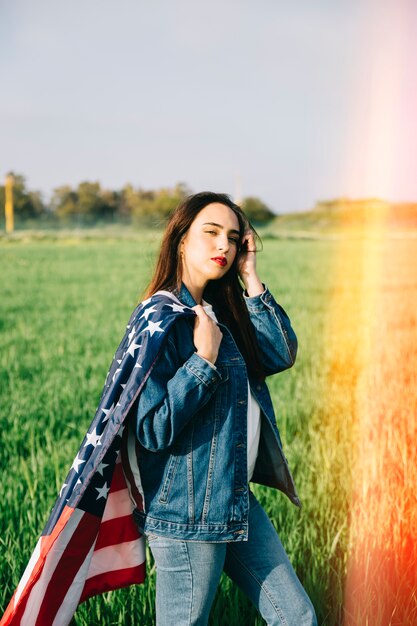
(171, 395)
(276, 338)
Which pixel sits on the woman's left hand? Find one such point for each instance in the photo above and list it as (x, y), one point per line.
(247, 262)
(247, 266)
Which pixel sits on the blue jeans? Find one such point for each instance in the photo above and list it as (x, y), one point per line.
(188, 573)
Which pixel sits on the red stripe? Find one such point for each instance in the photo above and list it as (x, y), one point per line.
(16, 616)
(67, 567)
(113, 580)
(117, 530)
(118, 481)
(13, 614)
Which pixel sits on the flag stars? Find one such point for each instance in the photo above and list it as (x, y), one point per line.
(102, 491)
(108, 413)
(101, 467)
(154, 327)
(76, 463)
(177, 307)
(132, 334)
(63, 488)
(133, 346)
(119, 369)
(147, 312)
(93, 439)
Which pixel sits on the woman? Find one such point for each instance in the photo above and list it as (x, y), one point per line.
(204, 424)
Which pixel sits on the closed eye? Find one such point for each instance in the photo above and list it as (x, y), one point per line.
(232, 239)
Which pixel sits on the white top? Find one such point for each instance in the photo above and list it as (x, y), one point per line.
(254, 411)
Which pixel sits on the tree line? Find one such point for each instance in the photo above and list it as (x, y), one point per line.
(89, 203)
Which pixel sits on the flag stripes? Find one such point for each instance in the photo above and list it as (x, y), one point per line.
(90, 543)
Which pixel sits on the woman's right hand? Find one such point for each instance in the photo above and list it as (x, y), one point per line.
(207, 335)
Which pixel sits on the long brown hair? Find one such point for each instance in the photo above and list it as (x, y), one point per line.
(226, 293)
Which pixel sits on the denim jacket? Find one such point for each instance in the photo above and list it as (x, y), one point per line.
(191, 422)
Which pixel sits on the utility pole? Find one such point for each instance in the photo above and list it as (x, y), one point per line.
(238, 190)
(8, 207)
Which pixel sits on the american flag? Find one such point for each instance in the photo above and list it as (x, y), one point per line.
(90, 543)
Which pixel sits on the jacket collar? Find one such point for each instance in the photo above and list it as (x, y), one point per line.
(185, 296)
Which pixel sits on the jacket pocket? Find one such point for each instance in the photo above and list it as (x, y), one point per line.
(170, 470)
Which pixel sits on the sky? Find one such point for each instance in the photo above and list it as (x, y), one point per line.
(292, 102)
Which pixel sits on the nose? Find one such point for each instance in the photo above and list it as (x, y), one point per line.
(223, 244)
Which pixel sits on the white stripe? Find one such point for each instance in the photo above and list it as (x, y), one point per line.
(52, 559)
(118, 504)
(72, 598)
(132, 463)
(120, 556)
(162, 292)
(28, 571)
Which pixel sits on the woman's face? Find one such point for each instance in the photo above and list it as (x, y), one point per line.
(210, 245)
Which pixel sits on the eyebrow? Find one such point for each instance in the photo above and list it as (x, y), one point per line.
(232, 230)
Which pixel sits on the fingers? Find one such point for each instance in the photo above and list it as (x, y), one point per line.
(198, 308)
(249, 241)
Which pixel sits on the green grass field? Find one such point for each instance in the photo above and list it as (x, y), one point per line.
(64, 305)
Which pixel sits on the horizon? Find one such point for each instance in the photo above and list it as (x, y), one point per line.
(337, 199)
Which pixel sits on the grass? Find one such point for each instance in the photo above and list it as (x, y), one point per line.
(64, 304)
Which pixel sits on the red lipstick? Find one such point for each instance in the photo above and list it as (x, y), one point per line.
(221, 260)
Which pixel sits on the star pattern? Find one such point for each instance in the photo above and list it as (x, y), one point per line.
(177, 307)
(102, 491)
(63, 488)
(93, 439)
(119, 369)
(101, 467)
(147, 312)
(133, 346)
(154, 327)
(88, 483)
(76, 463)
(108, 413)
(131, 334)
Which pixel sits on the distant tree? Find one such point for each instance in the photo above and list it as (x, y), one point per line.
(64, 201)
(153, 205)
(131, 200)
(256, 210)
(92, 201)
(87, 200)
(26, 204)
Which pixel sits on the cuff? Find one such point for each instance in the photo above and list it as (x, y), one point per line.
(207, 361)
(201, 368)
(256, 303)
